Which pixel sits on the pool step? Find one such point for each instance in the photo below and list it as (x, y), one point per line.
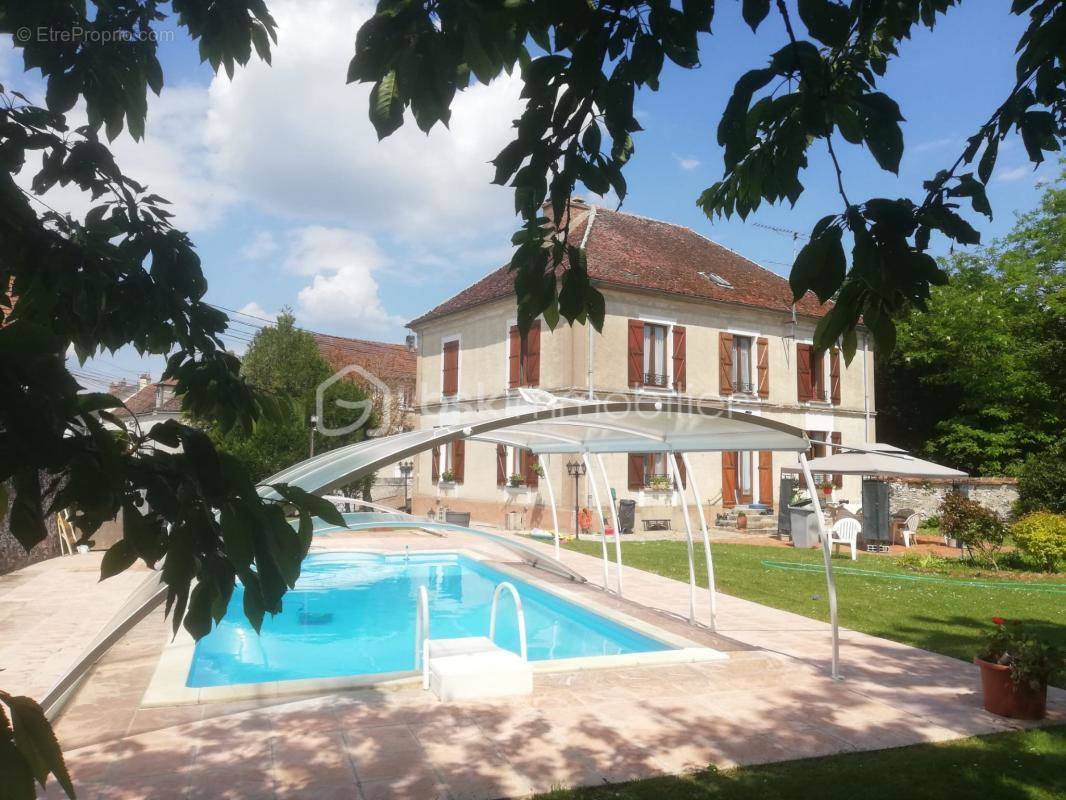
(473, 668)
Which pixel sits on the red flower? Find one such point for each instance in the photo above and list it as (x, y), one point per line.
(998, 620)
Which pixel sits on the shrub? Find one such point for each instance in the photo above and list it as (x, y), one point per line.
(1042, 482)
(1042, 535)
(975, 526)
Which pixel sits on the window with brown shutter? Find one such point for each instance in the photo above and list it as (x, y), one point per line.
(514, 358)
(682, 472)
(458, 460)
(529, 469)
(804, 387)
(636, 471)
(531, 356)
(834, 376)
(725, 363)
(636, 353)
(838, 479)
(729, 478)
(501, 465)
(679, 358)
(435, 468)
(762, 365)
(817, 375)
(450, 369)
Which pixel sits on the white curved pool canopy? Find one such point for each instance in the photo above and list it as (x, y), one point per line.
(559, 426)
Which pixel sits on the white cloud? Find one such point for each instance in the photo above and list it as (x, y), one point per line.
(253, 309)
(263, 244)
(293, 138)
(687, 163)
(1014, 174)
(934, 144)
(343, 293)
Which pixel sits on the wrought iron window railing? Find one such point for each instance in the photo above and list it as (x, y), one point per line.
(656, 379)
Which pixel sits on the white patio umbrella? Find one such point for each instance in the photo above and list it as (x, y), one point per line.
(877, 460)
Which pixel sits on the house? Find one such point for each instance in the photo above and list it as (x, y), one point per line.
(148, 402)
(685, 318)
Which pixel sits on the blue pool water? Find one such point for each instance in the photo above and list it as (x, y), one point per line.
(354, 614)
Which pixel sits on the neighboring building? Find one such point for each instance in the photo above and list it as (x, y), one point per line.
(685, 317)
(148, 402)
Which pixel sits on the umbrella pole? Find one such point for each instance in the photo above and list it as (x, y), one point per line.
(827, 557)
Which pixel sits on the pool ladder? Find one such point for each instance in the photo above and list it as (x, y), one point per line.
(472, 667)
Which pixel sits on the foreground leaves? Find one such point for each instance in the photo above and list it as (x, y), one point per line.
(29, 751)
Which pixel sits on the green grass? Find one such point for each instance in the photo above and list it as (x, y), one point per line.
(942, 614)
(1010, 766)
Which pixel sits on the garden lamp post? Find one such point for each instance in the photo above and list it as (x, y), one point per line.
(575, 469)
(314, 424)
(405, 471)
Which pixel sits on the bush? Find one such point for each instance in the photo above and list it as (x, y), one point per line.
(975, 526)
(1042, 482)
(1042, 535)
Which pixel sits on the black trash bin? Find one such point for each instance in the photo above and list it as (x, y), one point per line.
(627, 513)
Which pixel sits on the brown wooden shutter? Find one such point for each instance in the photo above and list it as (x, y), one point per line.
(514, 358)
(529, 469)
(636, 471)
(679, 358)
(729, 478)
(531, 357)
(683, 473)
(501, 465)
(766, 477)
(804, 387)
(435, 470)
(636, 352)
(838, 479)
(725, 363)
(762, 365)
(459, 460)
(451, 369)
(834, 376)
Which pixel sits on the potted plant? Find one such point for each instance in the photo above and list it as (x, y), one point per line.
(516, 481)
(826, 488)
(447, 476)
(660, 483)
(1015, 668)
(538, 469)
(742, 521)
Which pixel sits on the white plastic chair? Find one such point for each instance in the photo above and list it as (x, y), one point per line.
(846, 531)
(910, 529)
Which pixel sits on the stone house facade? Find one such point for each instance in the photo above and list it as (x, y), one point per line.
(685, 318)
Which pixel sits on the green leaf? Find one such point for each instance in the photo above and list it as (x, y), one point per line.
(386, 107)
(755, 11)
(323, 509)
(36, 741)
(820, 266)
(828, 22)
(237, 536)
(118, 558)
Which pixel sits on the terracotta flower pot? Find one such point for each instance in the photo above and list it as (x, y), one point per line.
(742, 523)
(1002, 697)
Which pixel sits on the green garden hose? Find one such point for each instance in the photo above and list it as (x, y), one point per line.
(1034, 586)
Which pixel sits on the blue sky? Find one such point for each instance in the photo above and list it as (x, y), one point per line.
(291, 200)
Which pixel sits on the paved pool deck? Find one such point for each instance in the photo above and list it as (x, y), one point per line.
(772, 700)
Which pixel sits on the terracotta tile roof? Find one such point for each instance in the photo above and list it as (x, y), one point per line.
(391, 363)
(144, 401)
(634, 252)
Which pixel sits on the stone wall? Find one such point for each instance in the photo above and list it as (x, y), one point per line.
(925, 496)
(13, 557)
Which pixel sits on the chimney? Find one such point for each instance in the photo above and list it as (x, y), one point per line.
(410, 341)
(144, 380)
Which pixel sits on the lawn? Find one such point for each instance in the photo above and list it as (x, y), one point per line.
(947, 614)
(1009, 766)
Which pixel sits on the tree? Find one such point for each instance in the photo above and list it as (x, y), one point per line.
(285, 361)
(582, 63)
(123, 275)
(977, 379)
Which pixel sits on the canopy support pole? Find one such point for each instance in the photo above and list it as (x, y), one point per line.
(599, 513)
(688, 539)
(614, 521)
(706, 537)
(551, 499)
(827, 557)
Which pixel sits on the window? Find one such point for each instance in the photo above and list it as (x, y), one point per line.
(811, 374)
(656, 372)
(736, 477)
(652, 471)
(523, 357)
(512, 461)
(450, 368)
(449, 462)
(742, 371)
(818, 376)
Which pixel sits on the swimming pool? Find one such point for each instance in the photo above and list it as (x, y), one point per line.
(354, 614)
